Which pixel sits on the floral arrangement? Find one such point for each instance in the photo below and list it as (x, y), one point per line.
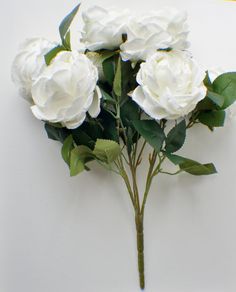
(132, 83)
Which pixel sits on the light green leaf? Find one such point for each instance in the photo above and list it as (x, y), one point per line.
(192, 167)
(151, 131)
(106, 150)
(176, 137)
(225, 85)
(66, 149)
(52, 54)
(76, 165)
(212, 118)
(117, 86)
(79, 157)
(66, 22)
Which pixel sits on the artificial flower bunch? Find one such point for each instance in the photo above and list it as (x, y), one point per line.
(134, 83)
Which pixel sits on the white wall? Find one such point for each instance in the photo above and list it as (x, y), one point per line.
(62, 234)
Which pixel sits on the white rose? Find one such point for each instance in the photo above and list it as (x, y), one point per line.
(103, 28)
(29, 63)
(66, 90)
(166, 28)
(170, 85)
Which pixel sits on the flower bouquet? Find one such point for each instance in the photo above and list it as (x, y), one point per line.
(132, 83)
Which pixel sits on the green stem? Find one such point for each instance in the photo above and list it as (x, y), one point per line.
(140, 249)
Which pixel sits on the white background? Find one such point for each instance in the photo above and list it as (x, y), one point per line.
(62, 234)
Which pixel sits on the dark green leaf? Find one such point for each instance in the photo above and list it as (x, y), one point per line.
(66, 41)
(212, 118)
(110, 127)
(106, 55)
(55, 133)
(176, 137)
(129, 112)
(52, 54)
(151, 131)
(225, 85)
(207, 81)
(107, 97)
(66, 149)
(191, 166)
(109, 70)
(216, 98)
(66, 22)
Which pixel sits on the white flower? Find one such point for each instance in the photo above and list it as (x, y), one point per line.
(170, 85)
(29, 63)
(103, 28)
(166, 28)
(66, 90)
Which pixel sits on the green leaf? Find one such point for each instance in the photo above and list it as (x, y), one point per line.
(106, 150)
(52, 54)
(66, 22)
(176, 137)
(108, 70)
(212, 118)
(55, 133)
(109, 124)
(107, 97)
(207, 81)
(106, 55)
(151, 131)
(66, 149)
(216, 98)
(117, 86)
(192, 167)
(225, 85)
(129, 112)
(76, 165)
(66, 41)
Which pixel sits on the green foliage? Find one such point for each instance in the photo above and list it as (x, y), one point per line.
(52, 54)
(106, 150)
(176, 137)
(225, 85)
(212, 118)
(151, 131)
(65, 25)
(109, 70)
(190, 166)
(56, 133)
(76, 164)
(66, 149)
(117, 86)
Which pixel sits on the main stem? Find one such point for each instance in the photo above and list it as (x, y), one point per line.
(140, 248)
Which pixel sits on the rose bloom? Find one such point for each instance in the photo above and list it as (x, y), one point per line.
(166, 28)
(29, 63)
(66, 90)
(103, 28)
(170, 85)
